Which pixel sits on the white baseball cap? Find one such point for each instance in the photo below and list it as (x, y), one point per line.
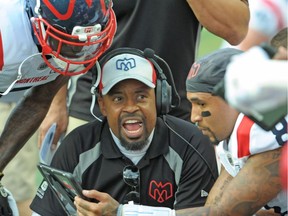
(126, 66)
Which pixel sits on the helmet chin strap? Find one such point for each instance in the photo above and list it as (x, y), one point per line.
(94, 90)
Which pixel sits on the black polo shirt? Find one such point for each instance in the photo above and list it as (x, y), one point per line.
(172, 174)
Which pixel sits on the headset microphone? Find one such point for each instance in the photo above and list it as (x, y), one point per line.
(149, 53)
(205, 114)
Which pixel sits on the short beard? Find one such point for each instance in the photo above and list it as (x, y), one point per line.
(133, 146)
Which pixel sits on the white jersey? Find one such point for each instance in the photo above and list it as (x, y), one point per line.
(249, 139)
(268, 16)
(18, 49)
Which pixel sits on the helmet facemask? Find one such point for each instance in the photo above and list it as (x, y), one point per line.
(75, 53)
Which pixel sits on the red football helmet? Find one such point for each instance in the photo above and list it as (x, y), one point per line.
(73, 34)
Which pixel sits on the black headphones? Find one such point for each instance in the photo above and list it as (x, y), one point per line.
(163, 88)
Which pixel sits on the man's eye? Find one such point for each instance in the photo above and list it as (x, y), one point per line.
(201, 104)
(117, 99)
(141, 97)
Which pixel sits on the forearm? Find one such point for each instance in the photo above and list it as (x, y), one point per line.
(211, 206)
(226, 19)
(57, 114)
(61, 96)
(25, 119)
(200, 211)
(218, 188)
(254, 37)
(216, 211)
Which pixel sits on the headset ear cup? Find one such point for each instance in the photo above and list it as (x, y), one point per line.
(159, 96)
(166, 97)
(163, 97)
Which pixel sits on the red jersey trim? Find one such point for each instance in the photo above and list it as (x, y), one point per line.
(243, 137)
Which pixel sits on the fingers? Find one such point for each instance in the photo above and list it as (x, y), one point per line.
(57, 137)
(93, 194)
(107, 205)
(86, 208)
(61, 126)
(96, 195)
(44, 127)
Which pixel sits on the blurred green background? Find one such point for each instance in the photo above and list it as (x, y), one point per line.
(208, 43)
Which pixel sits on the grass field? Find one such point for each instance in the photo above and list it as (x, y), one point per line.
(208, 43)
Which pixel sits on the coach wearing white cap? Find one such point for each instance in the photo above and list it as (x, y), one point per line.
(127, 66)
(134, 153)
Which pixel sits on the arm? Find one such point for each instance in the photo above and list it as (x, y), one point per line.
(253, 38)
(26, 118)
(219, 187)
(257, 183)
(106, 205)
(230, 18)
(57, 113)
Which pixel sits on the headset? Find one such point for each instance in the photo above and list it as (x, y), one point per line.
(164, 91)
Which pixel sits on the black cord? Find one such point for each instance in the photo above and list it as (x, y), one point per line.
(199, 154)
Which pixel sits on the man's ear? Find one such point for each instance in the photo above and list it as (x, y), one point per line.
(101, 104)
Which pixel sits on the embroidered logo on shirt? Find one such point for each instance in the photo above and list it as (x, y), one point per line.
(160, 191)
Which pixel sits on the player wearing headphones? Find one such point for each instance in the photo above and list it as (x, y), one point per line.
(137, 152)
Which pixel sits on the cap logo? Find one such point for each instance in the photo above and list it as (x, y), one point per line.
(193, 70)
(125, 64)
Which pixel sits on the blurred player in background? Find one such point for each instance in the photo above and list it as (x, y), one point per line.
(65, 46)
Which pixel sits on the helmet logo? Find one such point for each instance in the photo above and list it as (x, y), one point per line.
(88, 30)
(69, 12)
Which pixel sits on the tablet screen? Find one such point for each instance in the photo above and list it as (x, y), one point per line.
(63, 185)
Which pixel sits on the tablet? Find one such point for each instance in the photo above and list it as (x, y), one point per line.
(63, 184)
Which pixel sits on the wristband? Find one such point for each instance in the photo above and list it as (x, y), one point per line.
(119, 210)
(142, 210)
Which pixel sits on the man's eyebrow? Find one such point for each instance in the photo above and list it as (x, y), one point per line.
(113, 91)
(194, 99)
